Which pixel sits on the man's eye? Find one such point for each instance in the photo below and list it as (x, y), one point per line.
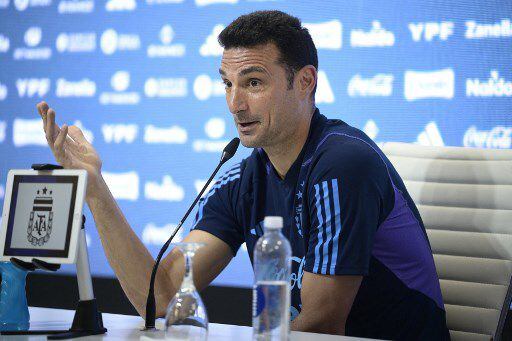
(227, 84)
(254, 82)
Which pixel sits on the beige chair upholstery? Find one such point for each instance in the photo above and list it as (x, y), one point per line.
(464, 196)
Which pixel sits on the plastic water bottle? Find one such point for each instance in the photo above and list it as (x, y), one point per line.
(271, 291)
(14, 313)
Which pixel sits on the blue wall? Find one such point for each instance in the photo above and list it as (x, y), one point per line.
(141, 78)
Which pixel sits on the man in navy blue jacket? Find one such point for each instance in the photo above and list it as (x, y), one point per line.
(362, 263)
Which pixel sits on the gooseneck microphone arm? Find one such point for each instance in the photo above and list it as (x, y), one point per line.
(227, 154)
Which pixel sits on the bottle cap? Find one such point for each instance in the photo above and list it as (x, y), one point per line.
(273, 222)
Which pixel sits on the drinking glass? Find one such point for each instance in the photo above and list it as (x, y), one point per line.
(186, 317)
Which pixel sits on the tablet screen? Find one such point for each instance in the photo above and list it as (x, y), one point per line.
(41, 216)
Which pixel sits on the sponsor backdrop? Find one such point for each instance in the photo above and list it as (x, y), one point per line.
(140, 78)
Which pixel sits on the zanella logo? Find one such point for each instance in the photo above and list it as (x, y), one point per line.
(120, 82)
(206, 87)
(326, 35)
(376, 37)
(431, 136)
(215, 129)
(4, 43)
(30, 87)
(495, 86)
(166, 49)
(428, 31)
(379, 85)
(500, 29)
(3, 92)
(120, 5)
(118, 133)
(75, 6)
(170, 135)
(32, 38)
(168, 190)
(41, 218)
(22, 5)
(111, 42)
(165, 87)
(211, 46)
(76, 42)
(123, 186)
(324, 92)
(429, 84)
(81, 88)
(497, 137)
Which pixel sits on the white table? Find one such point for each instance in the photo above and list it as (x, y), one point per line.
(125, 327)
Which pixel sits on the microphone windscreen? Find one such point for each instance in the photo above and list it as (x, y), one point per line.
(230, 149)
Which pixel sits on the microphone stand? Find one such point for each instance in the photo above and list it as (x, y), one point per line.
(228, 152)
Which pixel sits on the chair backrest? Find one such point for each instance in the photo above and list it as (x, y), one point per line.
(464, 196)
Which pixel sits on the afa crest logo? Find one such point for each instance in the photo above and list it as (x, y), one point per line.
(41, 218)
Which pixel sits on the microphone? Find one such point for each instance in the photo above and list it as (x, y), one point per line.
(227, 154)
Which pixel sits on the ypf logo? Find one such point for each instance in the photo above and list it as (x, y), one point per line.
(41, 218)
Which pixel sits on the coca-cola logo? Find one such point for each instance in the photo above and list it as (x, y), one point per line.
(497, 137)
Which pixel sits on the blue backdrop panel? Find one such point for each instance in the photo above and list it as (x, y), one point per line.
(140, 78)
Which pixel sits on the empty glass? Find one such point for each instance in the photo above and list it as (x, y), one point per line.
(186, 317)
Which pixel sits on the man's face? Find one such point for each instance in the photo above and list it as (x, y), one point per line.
(257, 95)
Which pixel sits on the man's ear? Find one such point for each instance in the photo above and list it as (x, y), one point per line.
(306, 80)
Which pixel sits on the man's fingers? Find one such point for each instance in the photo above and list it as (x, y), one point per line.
(59, 143)
(52, 130)
(77, 134)
(42, 108)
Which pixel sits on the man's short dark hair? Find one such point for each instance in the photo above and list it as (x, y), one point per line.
(261, 27)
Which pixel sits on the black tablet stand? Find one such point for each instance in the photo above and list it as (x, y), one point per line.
(87, 320)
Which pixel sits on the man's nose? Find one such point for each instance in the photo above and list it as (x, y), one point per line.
(237, 100)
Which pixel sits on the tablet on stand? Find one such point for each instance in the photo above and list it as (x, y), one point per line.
(42, 228)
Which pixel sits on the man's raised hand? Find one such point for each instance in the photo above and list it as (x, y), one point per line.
(68, 144)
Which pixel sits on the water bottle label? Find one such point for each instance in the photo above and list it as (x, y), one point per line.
(259, 297)
(269, 305)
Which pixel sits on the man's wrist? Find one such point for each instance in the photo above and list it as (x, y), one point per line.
(95, 185)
